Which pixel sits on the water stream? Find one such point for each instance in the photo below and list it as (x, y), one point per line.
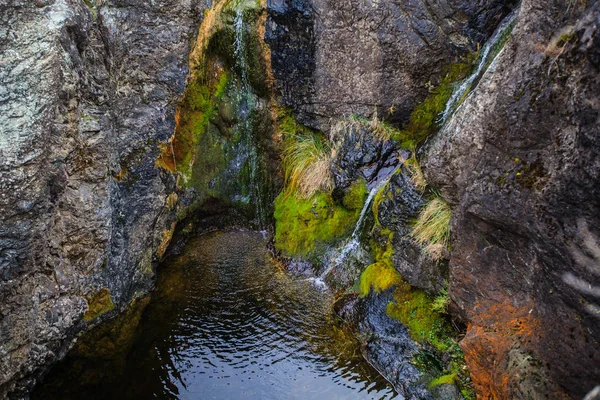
(488, 54)
(225, 322)
(352, 245)
(247, 104)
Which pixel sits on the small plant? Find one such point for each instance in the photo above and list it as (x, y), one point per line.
(440, 302)
(306, 163)
(433, 228)
(418, 179)
(380, 130)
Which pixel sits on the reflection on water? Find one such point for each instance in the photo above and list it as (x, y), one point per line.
(224, 323)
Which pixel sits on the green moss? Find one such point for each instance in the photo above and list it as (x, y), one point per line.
(379, 277)
(424, 118)
(98, 304)
(448, 379)
(380, 196)
(199, 107)
(356, 195)
(413, 307)
(288, 127)
(301, 225)
(417, 311)
(499, 45)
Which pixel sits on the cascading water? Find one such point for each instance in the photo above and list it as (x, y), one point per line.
(485, 60)
(353, 243)
(246, 105)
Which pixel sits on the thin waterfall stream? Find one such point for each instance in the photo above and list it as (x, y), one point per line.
(353, 243)
(488, 54)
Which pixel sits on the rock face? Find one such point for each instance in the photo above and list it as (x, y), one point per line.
(86, 96)
(335, 58)
(386, 343)
(520, 164)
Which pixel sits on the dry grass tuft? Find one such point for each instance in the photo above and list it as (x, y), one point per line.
(307, 165)
(433, 228)
(416, 173)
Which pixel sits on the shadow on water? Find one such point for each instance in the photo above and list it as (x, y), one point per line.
(225, 323)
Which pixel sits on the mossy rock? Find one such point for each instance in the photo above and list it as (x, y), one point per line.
(424, 119)
(355, 197)
(98, 304)
(303, 225)
(111, 339)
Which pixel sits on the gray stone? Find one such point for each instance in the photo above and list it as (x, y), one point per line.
(86, 97)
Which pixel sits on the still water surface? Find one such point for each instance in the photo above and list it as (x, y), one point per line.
(225, 322)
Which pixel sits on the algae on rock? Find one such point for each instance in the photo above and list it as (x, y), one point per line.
(222, 143)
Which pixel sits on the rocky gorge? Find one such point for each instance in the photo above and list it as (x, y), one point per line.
(434, 164)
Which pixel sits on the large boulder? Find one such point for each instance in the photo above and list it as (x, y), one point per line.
(86, 96)
(520, 164)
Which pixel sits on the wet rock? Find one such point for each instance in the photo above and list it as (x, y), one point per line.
(594, 394)
(358, 153)
(386, 342)
(519, 163)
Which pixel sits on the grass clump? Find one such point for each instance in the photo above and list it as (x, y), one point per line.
(306, 165)
(306, 158)
(380, 130)
(416, 173)
(441, 302)
(301, 224)
(432, 228)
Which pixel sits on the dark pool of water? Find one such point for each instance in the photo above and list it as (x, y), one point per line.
(225, 322)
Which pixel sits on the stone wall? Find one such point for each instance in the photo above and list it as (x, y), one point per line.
(87, 95)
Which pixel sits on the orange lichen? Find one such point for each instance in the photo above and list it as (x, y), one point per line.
(496, 328)
(120, 175)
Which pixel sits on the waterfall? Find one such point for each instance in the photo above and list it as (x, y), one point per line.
(240, 51)
(486, 58)
(353, 243)
(246, 105)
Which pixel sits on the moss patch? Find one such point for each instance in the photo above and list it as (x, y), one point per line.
(355, 197)
(379, 277)
(424, 118)
(301, 225)
(199, 106)
(416, 310)
(448, 379)
(413, 307)
(287, 126)
(99, 303)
